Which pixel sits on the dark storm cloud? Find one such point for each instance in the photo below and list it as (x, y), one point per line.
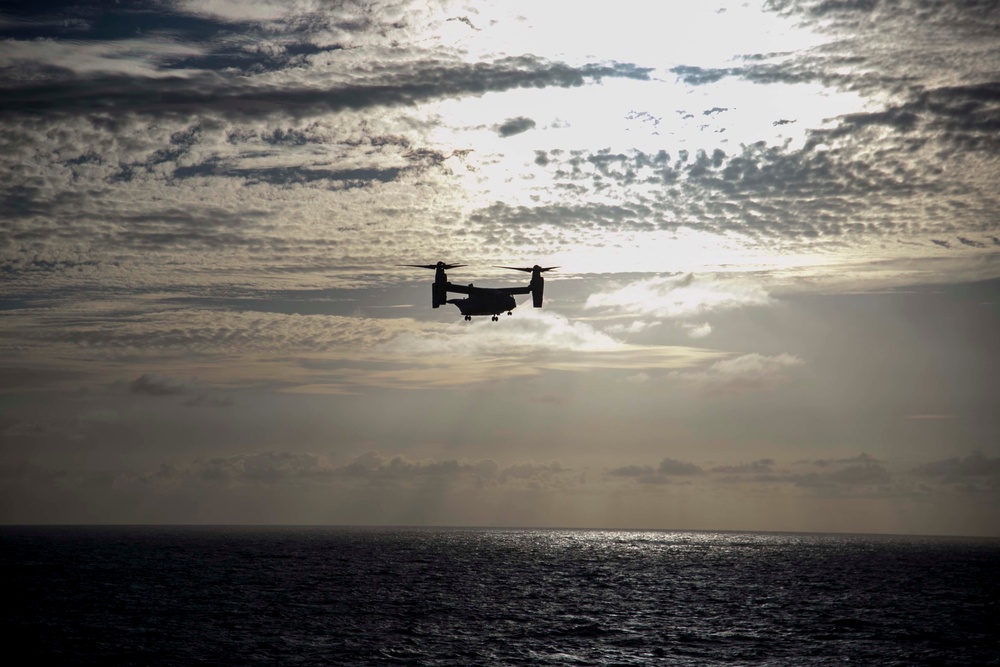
(211, 93)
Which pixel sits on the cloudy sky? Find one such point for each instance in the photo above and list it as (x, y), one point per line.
(777, 227)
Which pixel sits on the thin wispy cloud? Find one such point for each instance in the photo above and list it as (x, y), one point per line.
(679, 297)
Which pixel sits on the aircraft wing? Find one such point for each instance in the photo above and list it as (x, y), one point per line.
(469, 289)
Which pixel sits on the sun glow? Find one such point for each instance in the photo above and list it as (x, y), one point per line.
(515, 131)
(684, 251)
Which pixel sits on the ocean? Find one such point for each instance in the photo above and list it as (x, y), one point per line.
(445, 596)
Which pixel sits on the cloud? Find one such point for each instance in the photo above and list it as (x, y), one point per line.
(697, 330)
(749, 372)
(958, 470)
(205, 400)
(662, 474)
(862, 458)
(971, 242)
(263, 468)
(857, 477)
(860, 474)
(156, 327)
(513, 126)
(247, 150)
(868, 473)
(319, 353)
(644, 474)
(170, 95)
(681, 468)
(255, 11)
(369, 468)
(526, 344)
(761, 466)
(153, 384)
(631, 471)
(680, 297)
(156, 385)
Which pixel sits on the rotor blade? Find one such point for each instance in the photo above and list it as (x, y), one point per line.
(527, 269)
(447, 267)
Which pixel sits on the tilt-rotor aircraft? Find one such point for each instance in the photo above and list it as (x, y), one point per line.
(484, 300)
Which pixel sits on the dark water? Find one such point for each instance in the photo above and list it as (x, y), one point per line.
(344, 596)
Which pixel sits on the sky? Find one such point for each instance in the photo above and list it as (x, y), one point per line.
(776, 224)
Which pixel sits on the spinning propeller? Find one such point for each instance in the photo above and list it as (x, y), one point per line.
(439, 265)
(529, 269)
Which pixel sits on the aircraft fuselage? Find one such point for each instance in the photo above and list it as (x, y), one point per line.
(484, 301)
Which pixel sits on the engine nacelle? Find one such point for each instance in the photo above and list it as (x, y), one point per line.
(537, 288)
(439, 294)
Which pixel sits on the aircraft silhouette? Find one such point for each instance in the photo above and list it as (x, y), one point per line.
(484, 300)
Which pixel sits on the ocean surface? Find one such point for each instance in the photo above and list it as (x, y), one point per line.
(405, 596)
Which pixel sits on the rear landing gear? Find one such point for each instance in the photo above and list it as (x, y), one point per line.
(468, 318)
(495, 318)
